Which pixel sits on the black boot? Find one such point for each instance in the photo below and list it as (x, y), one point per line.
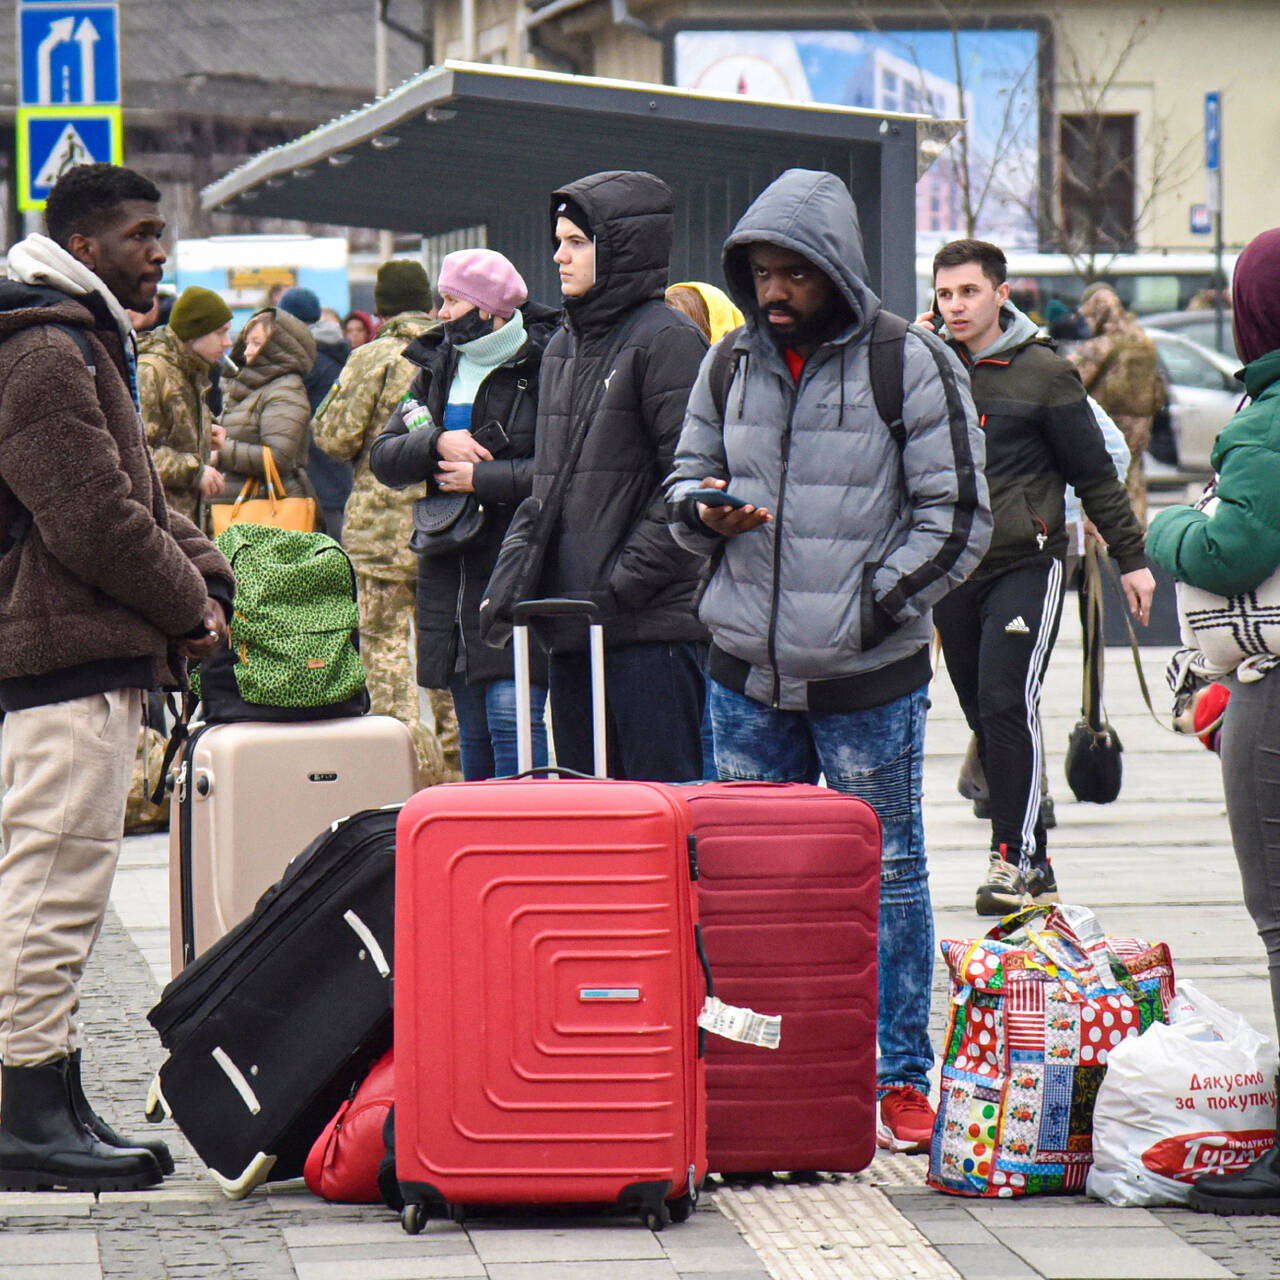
(43, 1144)
(100, 1129)
(1252, 1190)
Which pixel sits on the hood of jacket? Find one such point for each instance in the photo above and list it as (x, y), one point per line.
(24, 305)
(809, 212)
(329, 338)
(722, 315)
(632, 217)
(1016, 330)
(289, 348)
(37, 260)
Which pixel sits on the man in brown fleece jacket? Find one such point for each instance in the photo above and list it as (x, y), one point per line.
(104, 593)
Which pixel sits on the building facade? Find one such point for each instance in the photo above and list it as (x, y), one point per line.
(1086, 117)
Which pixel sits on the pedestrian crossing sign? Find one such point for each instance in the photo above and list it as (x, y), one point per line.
(52, 140)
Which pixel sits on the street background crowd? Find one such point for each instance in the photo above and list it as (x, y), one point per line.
(771, 526)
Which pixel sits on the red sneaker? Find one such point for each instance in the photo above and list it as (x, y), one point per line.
(906, 1120)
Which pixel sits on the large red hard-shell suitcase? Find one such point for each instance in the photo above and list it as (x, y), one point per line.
(250, 794)
(546, 998)
(789, 896)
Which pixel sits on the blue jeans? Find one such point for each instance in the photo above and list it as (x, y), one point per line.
(487, 726)
(878, 755)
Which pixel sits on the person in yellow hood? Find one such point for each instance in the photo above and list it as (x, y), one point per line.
(708, 307)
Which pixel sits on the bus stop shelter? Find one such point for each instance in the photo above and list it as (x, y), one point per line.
(465, 145)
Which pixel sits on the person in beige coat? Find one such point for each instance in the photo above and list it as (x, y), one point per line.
(266, 404)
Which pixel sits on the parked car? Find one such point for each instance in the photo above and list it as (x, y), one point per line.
(1199, 326)
(1203, 395)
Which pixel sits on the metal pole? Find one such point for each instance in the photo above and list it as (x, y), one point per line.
(469, 30)
(1219, 280)
(386, 244)
(524, 712)
(599, 725)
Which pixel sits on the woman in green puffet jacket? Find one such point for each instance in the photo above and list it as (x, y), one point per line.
(1231, 552)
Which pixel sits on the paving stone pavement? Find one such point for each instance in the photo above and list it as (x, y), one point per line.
(1158, 862)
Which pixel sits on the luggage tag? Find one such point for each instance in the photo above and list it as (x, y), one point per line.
(743, 1025)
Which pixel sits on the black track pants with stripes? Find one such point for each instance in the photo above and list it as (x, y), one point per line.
(997, 636)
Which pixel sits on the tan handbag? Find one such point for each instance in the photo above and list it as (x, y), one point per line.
(274, 510)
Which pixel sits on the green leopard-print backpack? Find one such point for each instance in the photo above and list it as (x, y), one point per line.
(293, 629)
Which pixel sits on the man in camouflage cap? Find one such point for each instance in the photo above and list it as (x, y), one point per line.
(378, 520)
(173, 376)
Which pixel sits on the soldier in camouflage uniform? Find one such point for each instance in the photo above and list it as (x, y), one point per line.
(173, 377)
(378, 520)
(1119, 370)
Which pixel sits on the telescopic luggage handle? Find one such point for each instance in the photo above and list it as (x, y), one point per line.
(557, 608)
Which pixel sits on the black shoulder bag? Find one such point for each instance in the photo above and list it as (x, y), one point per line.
(444, 523)
(1094, 767)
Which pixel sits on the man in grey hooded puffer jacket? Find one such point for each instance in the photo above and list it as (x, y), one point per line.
(820, 602)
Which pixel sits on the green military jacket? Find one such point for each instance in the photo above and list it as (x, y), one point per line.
(172, 382)
(376, 377)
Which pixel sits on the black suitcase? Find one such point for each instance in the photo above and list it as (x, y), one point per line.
(268, 1030)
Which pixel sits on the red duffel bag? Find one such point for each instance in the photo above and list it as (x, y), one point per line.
(343, 1163)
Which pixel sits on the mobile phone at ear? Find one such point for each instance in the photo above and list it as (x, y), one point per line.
(716, 498)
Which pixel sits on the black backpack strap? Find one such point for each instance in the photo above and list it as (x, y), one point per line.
(887, 358)
(81, 339)
(724, 364)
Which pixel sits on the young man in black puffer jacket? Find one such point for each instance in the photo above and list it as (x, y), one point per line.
(624, 363)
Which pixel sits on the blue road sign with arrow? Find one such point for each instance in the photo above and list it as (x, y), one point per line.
(69, 55)
(1212, 131)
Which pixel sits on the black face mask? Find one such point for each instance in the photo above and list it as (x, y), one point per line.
(467, 329)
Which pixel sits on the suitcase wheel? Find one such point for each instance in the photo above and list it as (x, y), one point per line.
(457, 1213)
(681, 1208)
(657, 1218)
(412, 1218)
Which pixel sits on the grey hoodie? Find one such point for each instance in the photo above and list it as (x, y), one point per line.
(828, 606)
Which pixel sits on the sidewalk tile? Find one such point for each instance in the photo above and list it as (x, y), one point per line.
(1111, 1254)
(557, 1245)
(406, 1246)
(989, 1262)
(48, 1247)
(636, 1269)
(452, 1268)
(65, 1271)
(370, 1234)
(704, 1258)
(45, 1204)
(1050, 1211)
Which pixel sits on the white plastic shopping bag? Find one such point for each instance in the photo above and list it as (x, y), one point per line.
(1195, 1096)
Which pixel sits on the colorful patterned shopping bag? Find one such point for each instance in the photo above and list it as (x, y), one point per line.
(1036, 1006)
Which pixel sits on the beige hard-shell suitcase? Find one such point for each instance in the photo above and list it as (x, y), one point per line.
(249, 795)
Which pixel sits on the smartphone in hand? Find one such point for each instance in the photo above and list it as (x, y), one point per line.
(716, 498)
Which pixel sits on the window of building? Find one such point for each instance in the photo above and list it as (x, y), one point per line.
(1097, 185)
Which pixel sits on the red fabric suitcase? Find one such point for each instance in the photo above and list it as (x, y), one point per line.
(547, 992)
(789, 897)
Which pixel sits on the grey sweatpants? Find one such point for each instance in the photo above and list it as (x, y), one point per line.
(1251, 781)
